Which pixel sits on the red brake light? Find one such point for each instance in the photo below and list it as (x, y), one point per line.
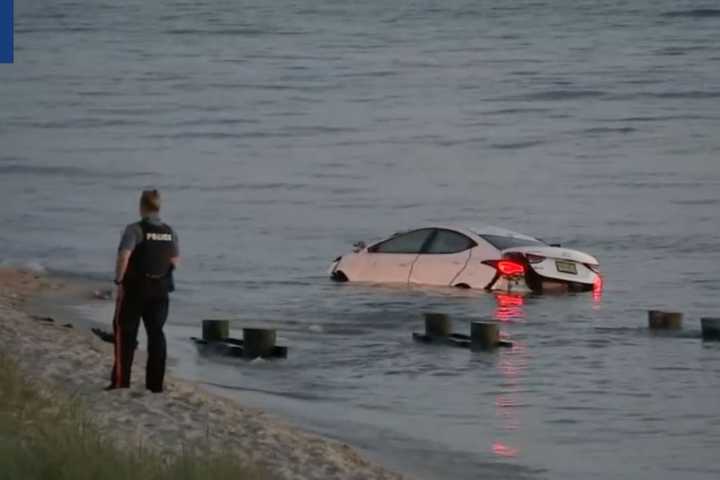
(507, 267)
(510, 268)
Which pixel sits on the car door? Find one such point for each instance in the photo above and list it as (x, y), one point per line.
(391, 261)
(442, 259)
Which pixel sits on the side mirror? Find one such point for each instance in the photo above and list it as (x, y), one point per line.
(359, 247)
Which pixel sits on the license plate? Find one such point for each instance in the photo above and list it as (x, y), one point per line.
(566, 267)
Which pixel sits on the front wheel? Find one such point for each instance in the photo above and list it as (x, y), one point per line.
(339, 276)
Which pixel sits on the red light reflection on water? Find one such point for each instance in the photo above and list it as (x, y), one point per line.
(597, 290)
(513, 367)
(509, 306)
(509, 402)
(502, 450)
(505, 408)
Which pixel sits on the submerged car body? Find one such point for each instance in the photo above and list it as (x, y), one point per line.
(489, 258)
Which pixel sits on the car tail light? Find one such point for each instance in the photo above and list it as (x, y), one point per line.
(508, 268)
(532, 258)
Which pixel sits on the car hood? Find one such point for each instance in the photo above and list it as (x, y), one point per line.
(555, 252)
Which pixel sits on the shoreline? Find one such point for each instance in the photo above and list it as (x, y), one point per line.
(79, 363)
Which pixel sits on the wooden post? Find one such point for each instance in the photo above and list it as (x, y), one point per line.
(710, 328)
(437, 325)
(655, 319)
(659, 320)
(258, 342)
(484, 335)
(215, 330)
(673, 320)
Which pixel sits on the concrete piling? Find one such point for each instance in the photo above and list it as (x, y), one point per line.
(437, 325)
(660, 320)
(258, 342)
(484, 335)
(710, 328)
(438, 330)
(215, 330)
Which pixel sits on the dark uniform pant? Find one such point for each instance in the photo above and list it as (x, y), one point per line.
(130, 307)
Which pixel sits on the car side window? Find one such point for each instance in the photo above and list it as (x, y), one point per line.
(411, 242)
(447, 241)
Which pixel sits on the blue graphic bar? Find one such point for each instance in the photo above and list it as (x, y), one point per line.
(6, 31)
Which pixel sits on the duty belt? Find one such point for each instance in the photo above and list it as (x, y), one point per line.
(155, 277)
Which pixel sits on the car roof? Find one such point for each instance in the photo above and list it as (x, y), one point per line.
(481, 230)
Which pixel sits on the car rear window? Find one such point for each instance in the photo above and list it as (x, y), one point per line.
(502, 242)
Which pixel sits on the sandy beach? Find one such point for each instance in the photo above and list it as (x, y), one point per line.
(73, 359)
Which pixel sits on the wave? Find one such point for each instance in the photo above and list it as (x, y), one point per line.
(697, 202)
(679, 51)
(659, 118)
(51, 29)
(556, 95)
(214, 121)
(248, 32)
(254, 186)
(197, 135)
(517, 145)
(693, 13)
(690, 94)
(228, 187)
(19, 169)
(600, 130)
(62, 171)
(511, 111)
(287, 132)
(84, 123)
(34, 266)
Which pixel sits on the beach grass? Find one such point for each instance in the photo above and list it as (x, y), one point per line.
(44, 434)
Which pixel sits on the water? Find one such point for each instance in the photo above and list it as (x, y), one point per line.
(281, 132)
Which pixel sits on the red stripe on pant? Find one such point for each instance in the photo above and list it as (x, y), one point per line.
(118, 378)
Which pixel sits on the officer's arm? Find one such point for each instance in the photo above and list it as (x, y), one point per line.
(130, 238)
(121, 264)
(175, 257)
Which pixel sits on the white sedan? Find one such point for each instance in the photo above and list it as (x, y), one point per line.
(489, 258)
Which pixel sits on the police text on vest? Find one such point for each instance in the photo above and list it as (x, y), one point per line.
(159, 237)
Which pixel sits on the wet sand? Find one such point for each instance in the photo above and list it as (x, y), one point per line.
(185, 416)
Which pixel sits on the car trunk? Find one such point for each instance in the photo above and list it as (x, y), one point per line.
(558, 264)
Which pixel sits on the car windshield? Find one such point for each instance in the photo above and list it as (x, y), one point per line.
(502, 242)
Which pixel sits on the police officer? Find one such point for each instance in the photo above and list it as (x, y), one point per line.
(147, 256)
